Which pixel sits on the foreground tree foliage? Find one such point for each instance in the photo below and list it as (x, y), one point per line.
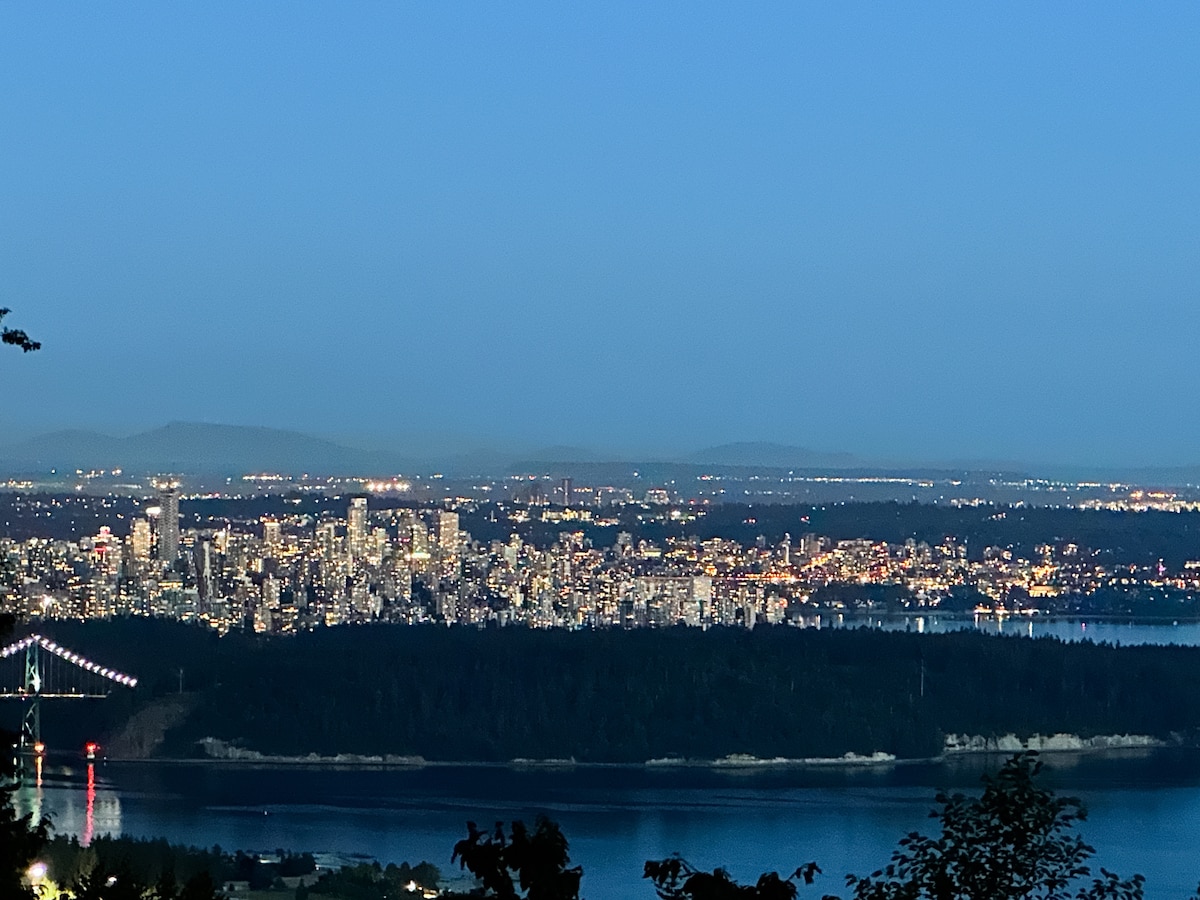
(16, 337)
(1016, 841)
(520, 865)
(676, 879)
(21, 839)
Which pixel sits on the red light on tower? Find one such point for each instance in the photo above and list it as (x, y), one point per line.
(90, 748)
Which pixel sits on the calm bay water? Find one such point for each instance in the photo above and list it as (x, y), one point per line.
(1145, 812)
(1145, 805)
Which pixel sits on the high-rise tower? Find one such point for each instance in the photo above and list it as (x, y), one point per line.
(205, 581)
(272, 537)
(168, 521)
(447, 532)
(139, 539)
(356, 527)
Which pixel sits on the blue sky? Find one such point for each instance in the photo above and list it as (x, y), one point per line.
(956, 230)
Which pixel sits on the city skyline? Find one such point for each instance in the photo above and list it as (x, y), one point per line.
(602, 559)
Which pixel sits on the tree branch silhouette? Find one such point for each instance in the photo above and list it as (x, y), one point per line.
(16, 336)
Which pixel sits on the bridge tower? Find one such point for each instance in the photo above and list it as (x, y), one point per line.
(31, 722)
(49, 671)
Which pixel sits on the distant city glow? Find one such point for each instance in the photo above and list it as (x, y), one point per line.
(561, 554)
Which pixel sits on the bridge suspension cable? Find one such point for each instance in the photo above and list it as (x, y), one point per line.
(42, 679)
(63, 653)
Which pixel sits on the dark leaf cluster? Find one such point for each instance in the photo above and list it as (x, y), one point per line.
(675, 878)
(521, 864)
(1016, 841)
(16, 337)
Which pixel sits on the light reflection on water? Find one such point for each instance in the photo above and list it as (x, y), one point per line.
(1145, 812)
(72, 797)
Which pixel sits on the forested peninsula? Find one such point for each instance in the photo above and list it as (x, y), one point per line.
(457, 694)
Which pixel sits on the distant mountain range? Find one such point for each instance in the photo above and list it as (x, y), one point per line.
(774, 456)
(189, 447)
(197, 448)
(193, 448)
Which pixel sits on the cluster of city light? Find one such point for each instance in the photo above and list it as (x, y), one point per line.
(73, 658)
(388, 486)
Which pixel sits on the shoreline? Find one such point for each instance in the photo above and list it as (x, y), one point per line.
(963, 747)
(861, 617)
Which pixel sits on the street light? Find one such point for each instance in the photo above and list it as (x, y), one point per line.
(41, 885)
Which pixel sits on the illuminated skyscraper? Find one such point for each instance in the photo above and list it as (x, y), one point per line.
(271, 537)
(449, 563)
(139, 539)
(168, 522)
(447, 532)
(205, 580)
(327, 540)
(356, 527)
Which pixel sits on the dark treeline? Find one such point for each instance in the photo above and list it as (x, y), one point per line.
(148, 860)
(157, 868)
(615, 696)
(1120, 537)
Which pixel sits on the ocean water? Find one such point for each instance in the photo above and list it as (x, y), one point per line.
(1144, 812)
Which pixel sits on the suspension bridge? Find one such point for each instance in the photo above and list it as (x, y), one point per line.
(36, 668)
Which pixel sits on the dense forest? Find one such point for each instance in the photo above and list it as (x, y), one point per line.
(155, 868)
(617, 696)
(147, 860)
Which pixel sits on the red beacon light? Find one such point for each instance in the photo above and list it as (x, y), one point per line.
(90, 749)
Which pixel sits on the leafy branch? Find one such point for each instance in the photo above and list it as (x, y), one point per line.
(16, 336)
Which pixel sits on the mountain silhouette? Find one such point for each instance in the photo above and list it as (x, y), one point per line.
(755, 454)
(192, 447)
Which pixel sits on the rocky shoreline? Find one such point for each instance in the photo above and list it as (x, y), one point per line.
(217, 752)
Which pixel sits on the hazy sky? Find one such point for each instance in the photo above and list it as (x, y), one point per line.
(924, 231)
